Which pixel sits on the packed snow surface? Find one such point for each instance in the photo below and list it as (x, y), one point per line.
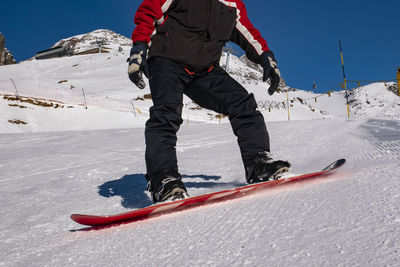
(72, 141)
(349, 218)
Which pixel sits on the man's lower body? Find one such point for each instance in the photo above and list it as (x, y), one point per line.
(214, 90)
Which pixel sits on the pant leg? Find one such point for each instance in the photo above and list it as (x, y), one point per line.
(167, 82)
(218, 91)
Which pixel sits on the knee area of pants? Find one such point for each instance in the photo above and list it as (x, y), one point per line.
(169, 108)
(248, 107)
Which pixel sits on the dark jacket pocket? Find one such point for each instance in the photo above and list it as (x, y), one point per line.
(193, 14)
(222, 22)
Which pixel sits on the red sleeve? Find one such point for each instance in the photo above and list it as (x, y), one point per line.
(247, 36)
(148, 14)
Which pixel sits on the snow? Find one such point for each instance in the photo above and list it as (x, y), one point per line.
(374, 101)
(350, 218)
(84, 42)
(75, 160)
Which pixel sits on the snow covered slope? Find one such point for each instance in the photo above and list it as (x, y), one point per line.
(58, 157)
(350, 218)
(375, 100)
(99, 82)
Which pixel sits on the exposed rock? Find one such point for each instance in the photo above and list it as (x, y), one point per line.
(250, 63)
(282, 85)
(393, 87)
(103, 41)
(6, 58)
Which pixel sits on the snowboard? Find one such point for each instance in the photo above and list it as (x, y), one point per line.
(134, 215)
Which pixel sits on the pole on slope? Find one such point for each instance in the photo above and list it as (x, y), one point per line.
(133, 105)
(398, 79)
(344, 77)
(288, 104)
(16, 91)
(227, 61)
(84, 98)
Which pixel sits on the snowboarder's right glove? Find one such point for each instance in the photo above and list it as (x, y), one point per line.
(271, 71)
(138, 64)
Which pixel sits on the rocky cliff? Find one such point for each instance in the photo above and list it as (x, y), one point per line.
(6, 58)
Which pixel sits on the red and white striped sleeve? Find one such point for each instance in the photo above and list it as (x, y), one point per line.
(148, 14)
(246, 35)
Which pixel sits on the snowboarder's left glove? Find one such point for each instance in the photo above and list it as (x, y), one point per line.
(138, 64)
(271, 71)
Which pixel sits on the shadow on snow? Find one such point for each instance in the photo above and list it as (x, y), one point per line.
(132, 188)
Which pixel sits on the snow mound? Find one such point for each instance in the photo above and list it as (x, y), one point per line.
(376, 101)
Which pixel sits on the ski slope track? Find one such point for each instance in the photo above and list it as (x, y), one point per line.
(350, 218)
(68, 158)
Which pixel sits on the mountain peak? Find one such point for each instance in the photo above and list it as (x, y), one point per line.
(80, 43)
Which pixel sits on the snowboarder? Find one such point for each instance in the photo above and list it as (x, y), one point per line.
(177, 45)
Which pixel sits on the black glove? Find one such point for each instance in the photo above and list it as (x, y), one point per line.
(271, 71)
(138, 64)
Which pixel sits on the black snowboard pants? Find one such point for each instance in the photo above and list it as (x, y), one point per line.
(214, 90)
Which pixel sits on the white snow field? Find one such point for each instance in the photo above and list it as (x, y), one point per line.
(67, 159)
(350, 218)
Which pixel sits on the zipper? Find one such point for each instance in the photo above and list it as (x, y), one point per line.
(206, 34)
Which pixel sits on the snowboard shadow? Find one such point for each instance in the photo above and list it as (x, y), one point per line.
(132, 188)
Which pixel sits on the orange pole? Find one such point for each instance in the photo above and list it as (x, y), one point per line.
(398, 78)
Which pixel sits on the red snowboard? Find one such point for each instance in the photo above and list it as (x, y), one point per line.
(93, 220)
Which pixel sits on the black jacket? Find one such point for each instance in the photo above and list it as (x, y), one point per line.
(193, 32)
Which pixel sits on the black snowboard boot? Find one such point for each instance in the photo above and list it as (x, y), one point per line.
(264, 168)
(170, 188)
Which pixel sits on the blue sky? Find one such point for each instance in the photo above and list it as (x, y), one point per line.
(303, 34)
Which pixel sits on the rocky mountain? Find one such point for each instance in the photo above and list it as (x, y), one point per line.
(247, 71)
(6, 58)
(107, 39)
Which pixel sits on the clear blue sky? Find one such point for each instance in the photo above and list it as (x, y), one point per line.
(303, 34)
